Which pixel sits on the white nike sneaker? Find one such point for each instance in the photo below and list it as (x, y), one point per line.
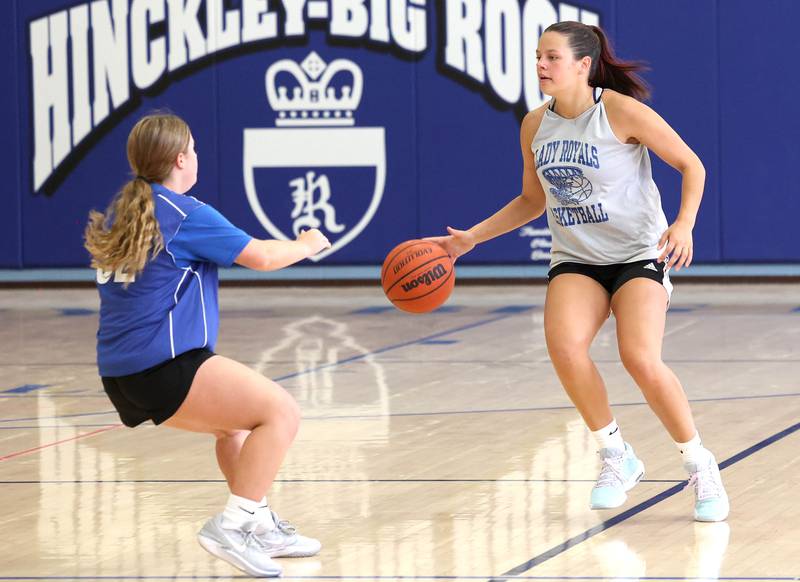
(241, 548)
(283, 541)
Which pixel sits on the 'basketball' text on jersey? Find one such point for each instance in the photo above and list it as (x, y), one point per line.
(570, 216)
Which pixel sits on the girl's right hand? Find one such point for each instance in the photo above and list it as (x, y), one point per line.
(314, 240)
(458, 243)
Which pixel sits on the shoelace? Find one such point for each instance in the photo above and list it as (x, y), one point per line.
(283, 525)
(611, 472)
(264, 537)
(282, 535)
(705, 485)
(251, 535)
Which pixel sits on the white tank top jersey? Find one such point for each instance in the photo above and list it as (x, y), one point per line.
(603, 207)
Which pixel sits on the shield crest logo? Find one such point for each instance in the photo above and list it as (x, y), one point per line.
(314, 169)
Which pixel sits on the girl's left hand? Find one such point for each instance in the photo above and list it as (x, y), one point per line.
(677, 245)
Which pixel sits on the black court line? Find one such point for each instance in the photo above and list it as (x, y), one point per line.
(609, 523)
(401, 577)
(597, 361)
(534, 408)
(455, 362)
(434, 413)
(184, 481)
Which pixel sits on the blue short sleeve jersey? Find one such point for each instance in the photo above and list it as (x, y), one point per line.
(171, 306)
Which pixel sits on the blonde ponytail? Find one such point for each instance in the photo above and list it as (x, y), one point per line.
(127, 236)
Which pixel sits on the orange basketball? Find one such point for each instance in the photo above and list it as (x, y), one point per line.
(418, 276)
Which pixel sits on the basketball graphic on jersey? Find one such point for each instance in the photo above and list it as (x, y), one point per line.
(570, 186)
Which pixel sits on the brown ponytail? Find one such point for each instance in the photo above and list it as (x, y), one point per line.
(607, 70)
(126, 236)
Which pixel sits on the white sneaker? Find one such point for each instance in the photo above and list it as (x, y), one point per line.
(710, 500)
(620, 471)
(239, 547)
(283, 541)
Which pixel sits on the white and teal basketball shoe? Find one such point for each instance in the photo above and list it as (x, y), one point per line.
(621, 470)
(710, 500)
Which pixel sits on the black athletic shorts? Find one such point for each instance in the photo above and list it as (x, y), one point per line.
(612, 277)
(156, 393)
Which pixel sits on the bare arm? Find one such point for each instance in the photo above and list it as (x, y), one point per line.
(528, 205)
(271, 255)
(635, 122)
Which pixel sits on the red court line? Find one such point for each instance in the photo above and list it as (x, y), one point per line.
(39, 448)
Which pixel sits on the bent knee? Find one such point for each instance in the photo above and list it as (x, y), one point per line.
(643, 367)
(292, 412)
(284, 414)
(564, 353)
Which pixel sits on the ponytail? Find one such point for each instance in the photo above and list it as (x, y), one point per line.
(612, 73)
(126, 236)
(607, 70)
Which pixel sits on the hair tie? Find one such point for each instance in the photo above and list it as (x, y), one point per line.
(142, 178)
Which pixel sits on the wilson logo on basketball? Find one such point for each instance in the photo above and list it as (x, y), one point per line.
(417, 276)
(410, 257)
(428, 278)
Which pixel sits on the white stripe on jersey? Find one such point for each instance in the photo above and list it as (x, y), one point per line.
(168, 201)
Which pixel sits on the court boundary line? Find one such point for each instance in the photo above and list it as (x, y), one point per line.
(514, 572)
(443, 412)
(538, 408)
(416, 362)
(318, 481)
(56, 443)
(403, 577)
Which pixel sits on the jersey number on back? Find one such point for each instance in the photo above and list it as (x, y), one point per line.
(120, 276)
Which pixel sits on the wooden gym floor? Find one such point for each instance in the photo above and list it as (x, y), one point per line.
(436, 447)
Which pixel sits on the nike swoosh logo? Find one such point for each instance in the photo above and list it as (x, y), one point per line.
(243, 509)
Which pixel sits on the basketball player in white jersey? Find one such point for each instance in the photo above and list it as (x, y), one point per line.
(157, 249)
(586, 163)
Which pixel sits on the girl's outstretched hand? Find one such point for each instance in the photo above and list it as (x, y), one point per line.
(314, 240)
(457, 243)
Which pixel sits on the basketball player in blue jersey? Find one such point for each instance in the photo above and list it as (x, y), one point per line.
(156, 250)
(586, 163)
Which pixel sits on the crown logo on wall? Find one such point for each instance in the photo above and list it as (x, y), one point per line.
(314, 101)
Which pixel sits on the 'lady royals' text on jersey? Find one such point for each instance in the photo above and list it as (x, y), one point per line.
(602, 204)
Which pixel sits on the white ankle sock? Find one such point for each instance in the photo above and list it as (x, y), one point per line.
(239, 511)
(264, 514)
(609, 437)
(693, 451)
